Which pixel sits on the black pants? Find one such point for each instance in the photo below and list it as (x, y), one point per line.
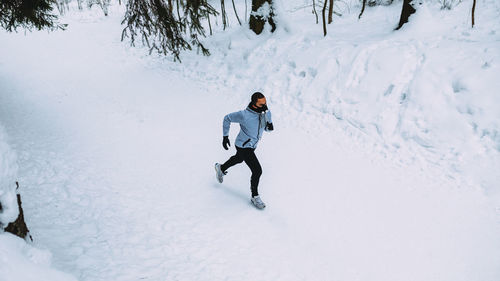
(247, 155)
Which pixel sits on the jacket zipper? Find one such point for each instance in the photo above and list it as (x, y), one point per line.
(258, 128)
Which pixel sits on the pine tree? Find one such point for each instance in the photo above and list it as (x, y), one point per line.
(28, 14)
(165, 28)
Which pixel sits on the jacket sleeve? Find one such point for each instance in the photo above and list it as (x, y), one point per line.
(268, 119)
(235, 117)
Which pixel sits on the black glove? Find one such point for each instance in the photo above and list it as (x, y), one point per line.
(269, 126)
(225, 142)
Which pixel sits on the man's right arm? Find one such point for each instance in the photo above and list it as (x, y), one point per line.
(235, 117)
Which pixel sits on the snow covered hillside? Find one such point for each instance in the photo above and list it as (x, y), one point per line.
(383, 164)
(428, 92)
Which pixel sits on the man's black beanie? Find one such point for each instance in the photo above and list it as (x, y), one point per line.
(256, 96)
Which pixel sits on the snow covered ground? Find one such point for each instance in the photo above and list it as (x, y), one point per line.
(20, 261)
(383, 164)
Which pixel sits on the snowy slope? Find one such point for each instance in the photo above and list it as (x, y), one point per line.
(116, 153)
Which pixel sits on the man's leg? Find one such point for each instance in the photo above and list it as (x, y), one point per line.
(254, 165)
(235, 159)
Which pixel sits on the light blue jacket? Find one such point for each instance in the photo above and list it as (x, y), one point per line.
(252, 126)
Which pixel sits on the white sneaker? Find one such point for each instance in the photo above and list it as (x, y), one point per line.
(219, 174)
(257, 202)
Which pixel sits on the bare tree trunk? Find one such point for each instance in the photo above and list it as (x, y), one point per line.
(324, 19)
(330, 12)
(104, 6)
(406, 12)
(362, 9)
(209, 25)
(236, 13)
(223, 14)
(178, 12)
(473, 10)
(314, 11)
(18, 227)
(257, 22)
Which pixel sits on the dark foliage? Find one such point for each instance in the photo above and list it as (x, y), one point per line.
(166, 31)
(28, 14)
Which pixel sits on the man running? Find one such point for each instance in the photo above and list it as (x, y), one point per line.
(254, 120)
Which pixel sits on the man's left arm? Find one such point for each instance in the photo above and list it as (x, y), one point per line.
(269, 122)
